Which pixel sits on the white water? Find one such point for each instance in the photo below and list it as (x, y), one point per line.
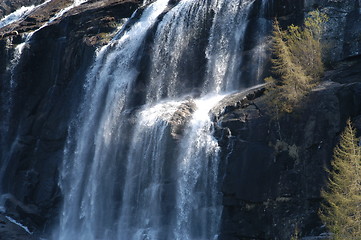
(63, 11)
(15, 16)
(198, 202)
(226, 44)
(176, 35)
(89, 167)
(124, 176)
(7, 103)
(8, 90)
(20, 14)
(260, 56)
(9, 85)
(19, 224)
(14, 62)
(144, 212)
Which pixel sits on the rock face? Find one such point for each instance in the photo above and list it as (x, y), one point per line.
(343, 15)
(49, 83)
(343, 29)
(9, 230)
(275, 168)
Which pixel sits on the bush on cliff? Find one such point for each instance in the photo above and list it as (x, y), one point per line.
(342, 209)
(297, 62)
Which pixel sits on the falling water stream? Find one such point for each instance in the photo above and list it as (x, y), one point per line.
(15, 16)
(91, 178)
(125, 174)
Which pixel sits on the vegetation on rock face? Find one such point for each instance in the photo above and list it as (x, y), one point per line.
(342, 209)
(297, 62)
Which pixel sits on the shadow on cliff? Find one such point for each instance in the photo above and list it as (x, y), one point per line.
(274, 169)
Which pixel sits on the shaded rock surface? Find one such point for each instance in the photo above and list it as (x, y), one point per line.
(275, 168)
(343, 29)
(49, 85)
(12, 231)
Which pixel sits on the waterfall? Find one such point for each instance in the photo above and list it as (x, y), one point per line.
(90, 177)
(19, 14)
(226, 44)
(8, 87)
(198, 208)
(177, 35)
(148, 169)
(7, 102)
(259, 58)
(15, 16)
(148, 189)
(7, 92)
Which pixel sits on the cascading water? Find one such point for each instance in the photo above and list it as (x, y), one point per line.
(198, 207)
(126, 176)
(90, 176)
(20, 14)
(148, 189)
(15, 16)
(8, 88)
(177, 35)
(7, 101)
(260, 56)
(224, 52)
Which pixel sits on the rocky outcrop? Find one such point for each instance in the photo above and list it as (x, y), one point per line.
(181, 118)
(274, 168)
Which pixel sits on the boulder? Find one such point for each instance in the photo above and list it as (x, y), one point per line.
(181, 117)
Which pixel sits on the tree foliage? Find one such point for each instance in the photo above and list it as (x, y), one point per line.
(297, 61)
(342, 209)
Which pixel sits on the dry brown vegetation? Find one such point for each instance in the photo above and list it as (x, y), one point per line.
(297, 62)
(342, 209)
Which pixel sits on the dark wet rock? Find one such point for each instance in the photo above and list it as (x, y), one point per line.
(12, 231)
(343, 29)
(274, 168)
(347, 71)
(93, 20)
(49, 85)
